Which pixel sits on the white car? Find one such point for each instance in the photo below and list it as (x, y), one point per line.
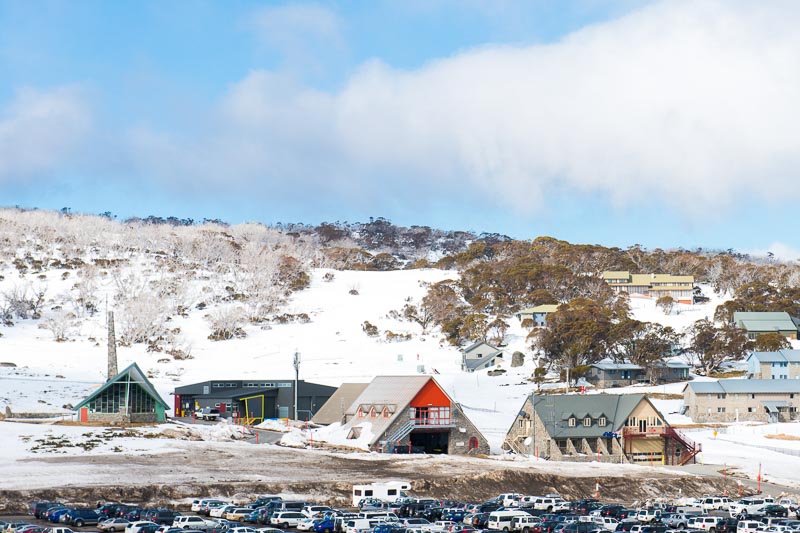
(286, 519)
(221, 511)
(307, 524)
(134, 527)
(241, 529)
(315, 510)
(113, 524)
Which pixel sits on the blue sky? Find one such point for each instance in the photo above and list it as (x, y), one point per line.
(661, 123)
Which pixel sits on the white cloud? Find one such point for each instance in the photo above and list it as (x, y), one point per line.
(780, 251)
(40, 131)
(693, 103)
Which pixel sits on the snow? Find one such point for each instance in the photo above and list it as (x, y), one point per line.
(333, 349)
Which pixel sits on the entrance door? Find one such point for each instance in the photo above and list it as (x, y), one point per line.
(642, 426)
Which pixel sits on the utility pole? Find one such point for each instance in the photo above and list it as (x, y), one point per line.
(296, 364)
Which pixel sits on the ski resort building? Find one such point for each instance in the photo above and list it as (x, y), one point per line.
(732, 400)
(616, 428)
(537, 314)
(411, 414)
(126, 398)
(253, 400)
(680, 288)
(757, 323)
(480, 355)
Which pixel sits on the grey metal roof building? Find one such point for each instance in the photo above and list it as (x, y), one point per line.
(253, 399)
(756, 323)
(337, 405)
(730, 400)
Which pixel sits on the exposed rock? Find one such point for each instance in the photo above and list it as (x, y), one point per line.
(517, 359)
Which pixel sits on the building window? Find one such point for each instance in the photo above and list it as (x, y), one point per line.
(720, 396)
(521, 423)
(752, 396)
(360, 413)
(601, 421)
(749, 409)
(720, 409)
(587, 421)
(571, 422)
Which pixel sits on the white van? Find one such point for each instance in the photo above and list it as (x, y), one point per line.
(381, 516)
(523, 523)
(360, 525)
(748, 526)
(716, 503)
(501, 520)
(510, 499)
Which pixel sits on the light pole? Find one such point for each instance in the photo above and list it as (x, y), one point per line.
(296, 364)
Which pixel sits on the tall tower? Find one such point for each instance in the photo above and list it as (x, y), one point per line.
(112, 348)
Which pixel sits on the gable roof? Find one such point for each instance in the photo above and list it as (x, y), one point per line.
(394, 391)
(764, 321)
(780, 356)
(554, 410)
(610, 364)
(138, 376)
(334, 409)
(476, 345)
(745, 386)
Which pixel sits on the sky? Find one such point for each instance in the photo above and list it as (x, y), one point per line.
(618, 122)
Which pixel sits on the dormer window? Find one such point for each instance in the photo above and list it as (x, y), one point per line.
(571, 422)
(372, 413)
(360, 413)
(602, 421)
(587, 421)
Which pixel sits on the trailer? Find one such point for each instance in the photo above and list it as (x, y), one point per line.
(388, 491)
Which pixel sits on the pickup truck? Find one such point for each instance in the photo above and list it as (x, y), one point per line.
(749, 507)
(207, 414)
(649, 515)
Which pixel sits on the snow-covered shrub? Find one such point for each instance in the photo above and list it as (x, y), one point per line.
(227, 324)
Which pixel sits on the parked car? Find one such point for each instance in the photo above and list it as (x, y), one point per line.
(286, 519)
(113, 524)
(774, 509)
(140, 527)
(81, 517)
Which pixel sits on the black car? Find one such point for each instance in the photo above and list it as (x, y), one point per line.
(775, 510)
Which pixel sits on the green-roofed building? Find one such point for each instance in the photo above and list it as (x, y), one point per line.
(128, 397)
(616, 428)
(758, 323)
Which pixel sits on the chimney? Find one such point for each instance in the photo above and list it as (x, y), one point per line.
(112, 348)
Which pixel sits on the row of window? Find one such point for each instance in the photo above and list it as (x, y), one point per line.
(723, 396)
(587, 422)
(252, 385)
(752, 409)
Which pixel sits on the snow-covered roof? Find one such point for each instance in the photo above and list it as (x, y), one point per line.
(609, 364)
(478, 344)
(474, 364)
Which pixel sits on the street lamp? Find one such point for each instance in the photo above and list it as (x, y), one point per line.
(296, 364)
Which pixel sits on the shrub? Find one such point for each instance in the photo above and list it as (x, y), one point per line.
(370, 329)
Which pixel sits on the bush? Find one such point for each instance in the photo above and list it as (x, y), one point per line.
(370, 329)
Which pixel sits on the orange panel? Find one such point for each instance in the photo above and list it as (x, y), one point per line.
(430, 395)
(84, 414)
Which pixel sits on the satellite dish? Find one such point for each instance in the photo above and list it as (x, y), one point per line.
(528, 441)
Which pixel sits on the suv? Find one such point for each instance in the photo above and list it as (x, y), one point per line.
(192, 522)
(749, 507)
(715, 503)
(706, 523)
(82, 517)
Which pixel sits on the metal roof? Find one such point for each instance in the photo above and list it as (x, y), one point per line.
(609, 364)
(772, 407)
(764, 321)
(383, 390)
(746, 386)
(138, 376)
(780, 356)
(475, 345)
(555, 410)
(334, 409)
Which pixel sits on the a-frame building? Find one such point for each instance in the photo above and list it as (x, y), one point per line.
(128, 397)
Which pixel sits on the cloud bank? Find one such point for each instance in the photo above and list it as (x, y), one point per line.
(40, 131)
(692, 104)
